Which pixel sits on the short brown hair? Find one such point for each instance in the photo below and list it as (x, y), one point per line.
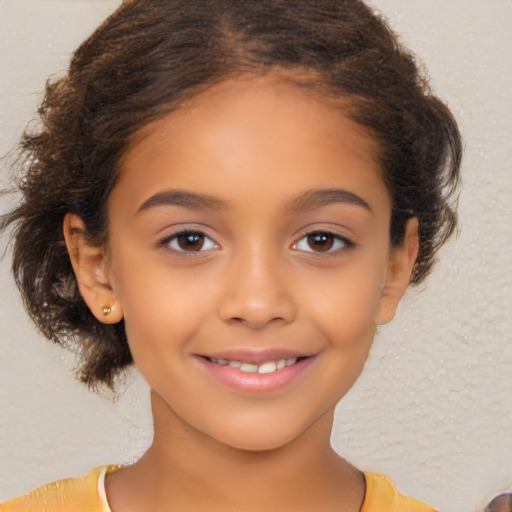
(148, 57)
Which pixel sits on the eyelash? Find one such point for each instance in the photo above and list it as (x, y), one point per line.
(333, 238)
(168, 241)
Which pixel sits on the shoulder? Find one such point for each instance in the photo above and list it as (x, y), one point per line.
(381, 494)
(82, 494)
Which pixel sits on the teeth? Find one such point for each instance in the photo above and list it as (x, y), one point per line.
(267, 367)
(249, 368)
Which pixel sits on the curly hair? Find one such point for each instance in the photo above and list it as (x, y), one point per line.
(149, 56)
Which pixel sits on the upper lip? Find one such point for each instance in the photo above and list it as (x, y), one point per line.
(255, 356)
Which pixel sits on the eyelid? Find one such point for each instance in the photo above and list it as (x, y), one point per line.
(166, 241)
(346, 242)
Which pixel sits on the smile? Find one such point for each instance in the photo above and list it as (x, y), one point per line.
(264, 368)
(248, 372)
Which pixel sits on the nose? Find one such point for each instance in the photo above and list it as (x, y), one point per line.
(257, 291)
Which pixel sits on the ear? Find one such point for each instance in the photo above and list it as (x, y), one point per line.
(401, 263)
(90, 265)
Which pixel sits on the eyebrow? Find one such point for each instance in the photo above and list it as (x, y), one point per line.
(307, 201)
(323, 197)
(189, 200)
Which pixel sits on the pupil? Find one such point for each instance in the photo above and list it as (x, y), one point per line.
(320, 242)
(191, 241)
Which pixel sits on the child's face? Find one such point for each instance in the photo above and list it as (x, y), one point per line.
(252, 225)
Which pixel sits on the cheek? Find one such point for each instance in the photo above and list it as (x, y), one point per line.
(344, 305)
(163, 306)
(345, 318)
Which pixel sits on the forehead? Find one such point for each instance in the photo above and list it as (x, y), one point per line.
(298, 98)
(255, 132)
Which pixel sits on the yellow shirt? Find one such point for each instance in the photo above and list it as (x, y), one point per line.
(87, 494)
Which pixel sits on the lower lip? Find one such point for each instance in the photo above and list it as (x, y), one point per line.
(256, 382)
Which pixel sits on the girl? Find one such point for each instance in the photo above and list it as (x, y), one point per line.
(232, 195)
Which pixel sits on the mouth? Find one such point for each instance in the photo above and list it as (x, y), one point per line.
(256, 372)
(264, 368)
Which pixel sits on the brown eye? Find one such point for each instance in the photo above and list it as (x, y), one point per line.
(190, 241)
(320, 242)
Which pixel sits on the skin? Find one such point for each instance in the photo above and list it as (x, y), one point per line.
(260, 149)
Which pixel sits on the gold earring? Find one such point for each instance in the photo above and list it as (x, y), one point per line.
(106, 310)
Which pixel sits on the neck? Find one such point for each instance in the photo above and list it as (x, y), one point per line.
(187, 470)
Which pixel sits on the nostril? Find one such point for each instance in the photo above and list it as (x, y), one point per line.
(255, 321)
(246, 303)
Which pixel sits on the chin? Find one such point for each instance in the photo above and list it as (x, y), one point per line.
(256, 442)
(260, 436)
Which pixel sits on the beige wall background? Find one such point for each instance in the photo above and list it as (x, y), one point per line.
(433, 408)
